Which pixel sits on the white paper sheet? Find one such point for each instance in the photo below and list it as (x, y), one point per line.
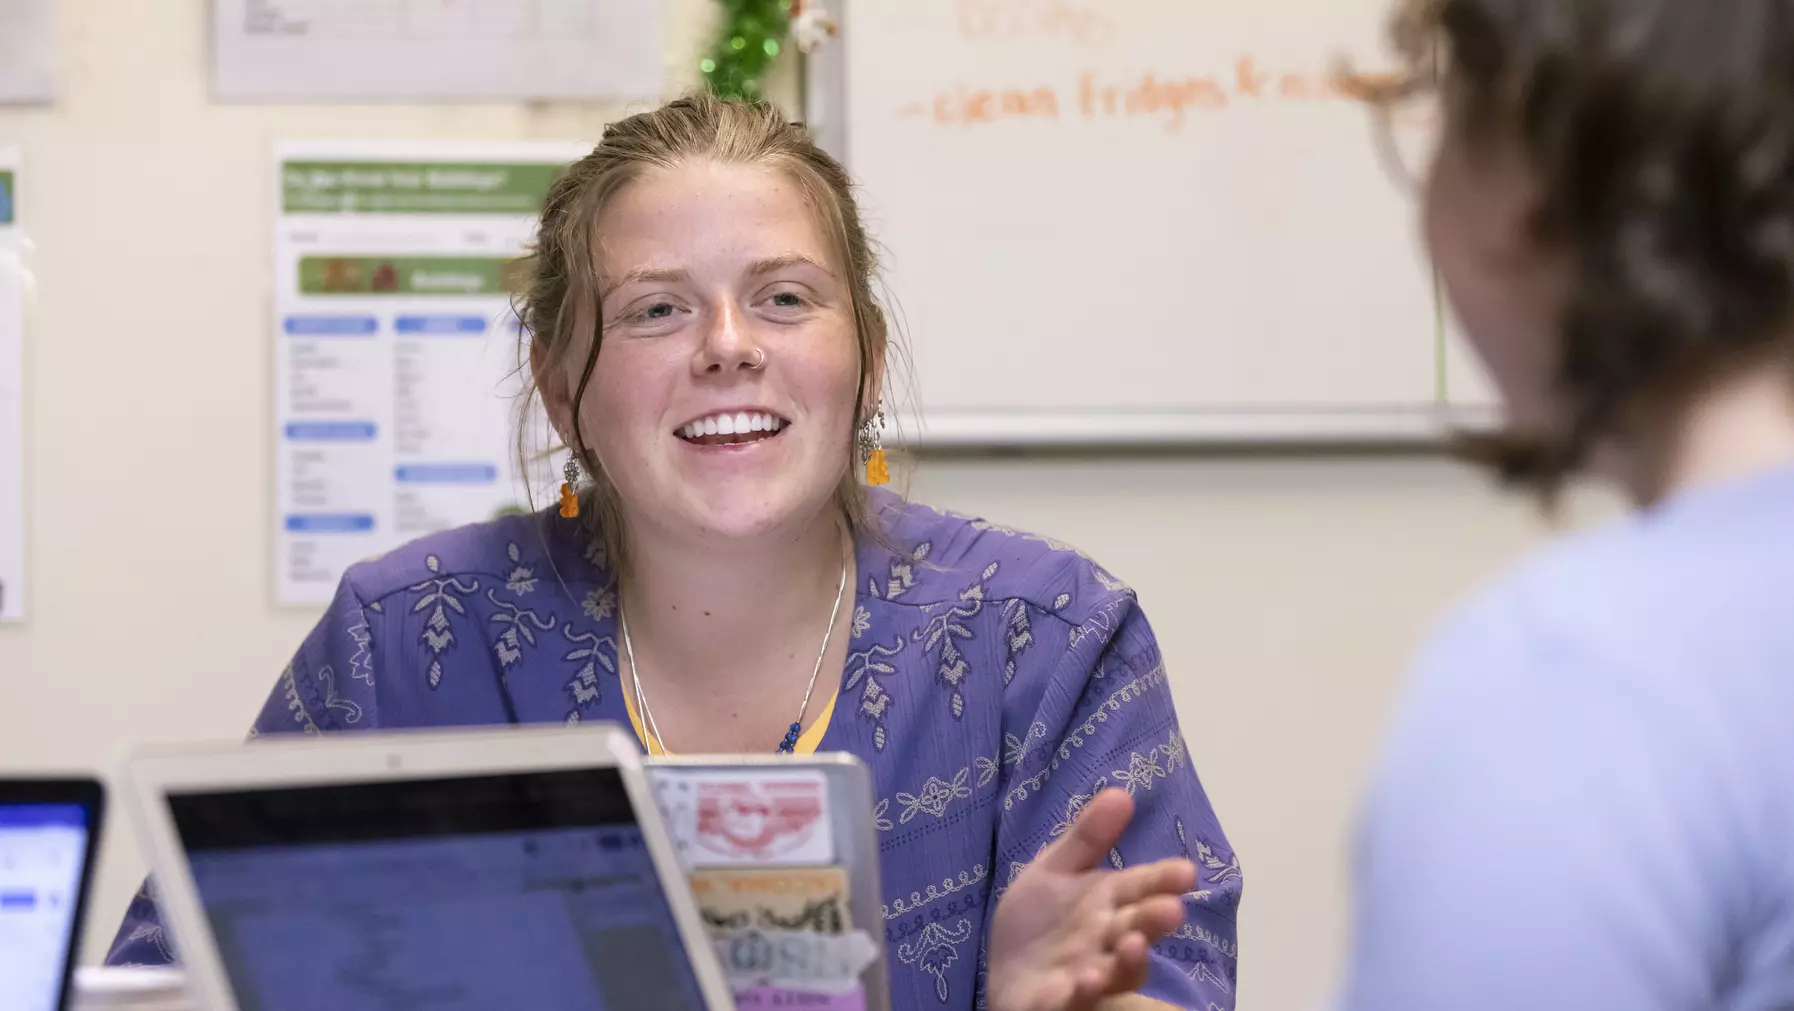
(396, 352)
(437, 49)
(27, 50)
(12, 394)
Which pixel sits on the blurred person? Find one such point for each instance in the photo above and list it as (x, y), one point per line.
(704, 334)
(1587, 801)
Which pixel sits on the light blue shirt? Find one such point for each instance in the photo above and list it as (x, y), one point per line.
(1588, 798)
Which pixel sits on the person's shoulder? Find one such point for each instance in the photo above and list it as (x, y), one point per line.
(939, 557)
(513, 550)
(1703, 573)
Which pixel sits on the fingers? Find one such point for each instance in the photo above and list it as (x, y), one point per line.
(1095, 832)
(1164, 877)
(1131, 960)
(1122, 970)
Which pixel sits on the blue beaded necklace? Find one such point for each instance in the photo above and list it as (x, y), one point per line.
(787, 744)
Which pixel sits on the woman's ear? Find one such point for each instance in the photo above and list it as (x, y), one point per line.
(873, 378)
(551, 386)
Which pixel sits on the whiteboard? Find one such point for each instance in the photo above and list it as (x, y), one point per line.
(1141, 221)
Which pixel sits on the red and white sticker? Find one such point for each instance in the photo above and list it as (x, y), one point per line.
(727, 817)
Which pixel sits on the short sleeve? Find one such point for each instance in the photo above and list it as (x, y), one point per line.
(330, 683)
(328, 686)
(1531, 841)
(1105, 719)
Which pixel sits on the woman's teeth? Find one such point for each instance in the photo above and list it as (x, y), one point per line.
(741, 423)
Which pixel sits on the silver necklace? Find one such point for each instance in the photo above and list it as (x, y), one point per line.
(788, 745)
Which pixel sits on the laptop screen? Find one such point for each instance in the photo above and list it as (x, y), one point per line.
(43, 848)
(529, 891)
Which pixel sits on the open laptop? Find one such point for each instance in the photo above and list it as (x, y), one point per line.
(49, 829)
(471, 869)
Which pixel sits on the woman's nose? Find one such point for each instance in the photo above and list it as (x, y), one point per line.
(727, 345)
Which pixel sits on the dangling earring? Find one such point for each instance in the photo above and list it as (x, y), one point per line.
(569, 498)
(872, 450)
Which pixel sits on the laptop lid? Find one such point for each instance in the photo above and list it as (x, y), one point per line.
(49, 830)
(526, 867)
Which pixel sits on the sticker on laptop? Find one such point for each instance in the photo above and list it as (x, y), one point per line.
(793, 960)
(813, 900)
(726, 817)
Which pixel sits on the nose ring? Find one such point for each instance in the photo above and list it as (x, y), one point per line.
(760, 362)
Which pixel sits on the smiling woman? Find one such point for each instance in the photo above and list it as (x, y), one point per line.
(705, 337)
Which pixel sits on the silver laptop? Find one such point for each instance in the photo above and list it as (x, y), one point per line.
(458, 870)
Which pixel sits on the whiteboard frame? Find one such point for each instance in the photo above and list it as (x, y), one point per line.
(825, 102)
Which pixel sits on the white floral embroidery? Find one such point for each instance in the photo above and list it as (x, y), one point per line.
(1203, 974)
(290, 691)
(879, 821)
(1220, 871)
(1074, 805)
(1192, 932)
(1102, 622)
(935, 950)
(590, 653)
(523, 578)
(361, 662)
(903, 577)
(947, 887)
(935, 796)
(440, 596)
(987, 769)
(600, 604)
(1015, 749)
(521, 626)
(289, 683)
(1020, 635)
(351, 710)
(1077, 736)
(944, 629)
(1159, 763)
(868, 667)
(862, 620)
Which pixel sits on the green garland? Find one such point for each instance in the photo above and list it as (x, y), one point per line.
(751, 37)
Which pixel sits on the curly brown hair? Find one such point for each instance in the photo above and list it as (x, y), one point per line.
(557, 297)
(1661, 137)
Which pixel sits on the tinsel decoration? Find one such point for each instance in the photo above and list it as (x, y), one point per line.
(748, 41)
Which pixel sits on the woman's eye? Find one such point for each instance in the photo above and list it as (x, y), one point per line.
(659, 310)
(788, 300)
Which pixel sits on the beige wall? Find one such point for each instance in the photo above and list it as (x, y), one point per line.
(1287, 592)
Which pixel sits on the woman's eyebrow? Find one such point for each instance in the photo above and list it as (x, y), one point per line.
(660, 275)
(778, 263)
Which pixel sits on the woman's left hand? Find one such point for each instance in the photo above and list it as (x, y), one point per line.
(1068, 934)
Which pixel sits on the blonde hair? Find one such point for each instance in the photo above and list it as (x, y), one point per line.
(556, 284)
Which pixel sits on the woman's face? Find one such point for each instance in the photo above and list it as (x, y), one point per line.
(1507, 290)
(721, 404)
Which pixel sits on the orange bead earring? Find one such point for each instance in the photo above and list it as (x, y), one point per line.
(570, 498)
(872, 450)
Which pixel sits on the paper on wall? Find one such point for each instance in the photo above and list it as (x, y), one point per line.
(437, 49)
(27, 50)
(397, 356)
(12, 393)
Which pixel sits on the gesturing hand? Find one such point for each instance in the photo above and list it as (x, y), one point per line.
(1066, 934)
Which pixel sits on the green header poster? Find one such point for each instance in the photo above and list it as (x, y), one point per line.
(397, 356)
(321, 187)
